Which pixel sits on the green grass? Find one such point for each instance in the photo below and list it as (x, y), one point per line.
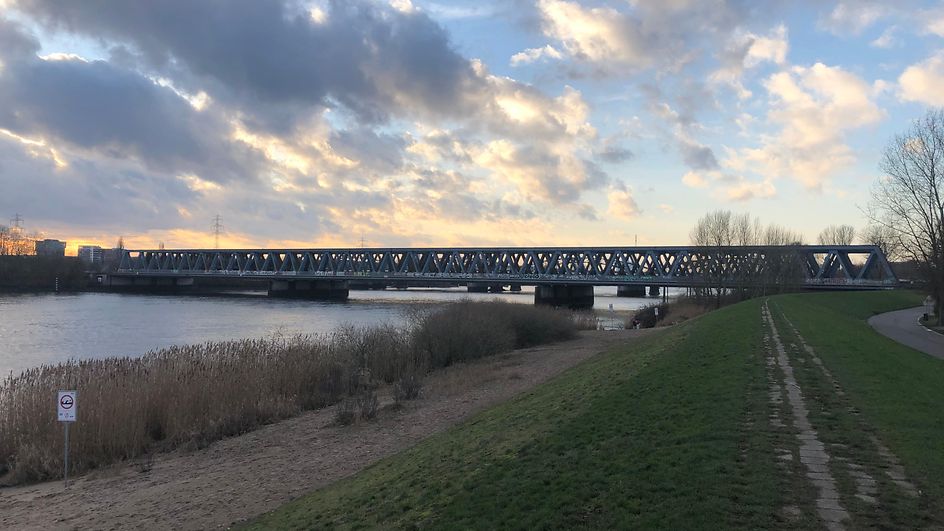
(670, 432)
(899, 391)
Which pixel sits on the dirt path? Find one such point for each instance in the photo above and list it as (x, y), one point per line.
(240, 477)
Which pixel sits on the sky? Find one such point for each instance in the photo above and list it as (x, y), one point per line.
(420, 123)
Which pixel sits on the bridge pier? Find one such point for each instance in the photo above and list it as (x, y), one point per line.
(150, 284)
(631, 290)
(332, 290)
(515, 288)
(573, 296)
(653, 291)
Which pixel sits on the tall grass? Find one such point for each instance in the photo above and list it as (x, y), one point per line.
(193, 395)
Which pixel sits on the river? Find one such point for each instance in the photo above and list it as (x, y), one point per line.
(38, 329)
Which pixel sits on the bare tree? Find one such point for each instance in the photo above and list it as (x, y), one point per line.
(4, 240)
(837, 235)
(909, 198)
(885, 238)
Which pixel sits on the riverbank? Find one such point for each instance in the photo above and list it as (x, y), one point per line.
(240, 477)
(785, 414)
(196, 394)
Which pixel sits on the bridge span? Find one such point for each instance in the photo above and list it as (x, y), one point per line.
(562, 275)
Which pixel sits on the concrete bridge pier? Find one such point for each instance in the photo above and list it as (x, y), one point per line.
(631, 290)
(653, 291)
(573, 296)
(331, 290)
(151, 284)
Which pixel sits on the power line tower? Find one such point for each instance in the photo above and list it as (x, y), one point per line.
(17, 222)
(217, 229)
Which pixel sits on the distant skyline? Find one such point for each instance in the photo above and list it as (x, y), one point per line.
(543, 122)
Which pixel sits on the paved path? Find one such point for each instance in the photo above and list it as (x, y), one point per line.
(903, 327)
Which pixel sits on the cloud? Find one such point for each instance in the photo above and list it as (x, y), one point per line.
(621, 204)
(854, 16)
(813, 107)
(729, 186)
(924, 82)
(746, 50)
(886, 39)
(374, 60)
(695, 155)
(114, 112)
(694, 179)
(531, 55)
(600, 34)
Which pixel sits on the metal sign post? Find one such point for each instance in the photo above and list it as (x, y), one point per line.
(66, 408)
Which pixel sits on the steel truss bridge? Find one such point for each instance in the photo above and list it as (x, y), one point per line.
(810, 266)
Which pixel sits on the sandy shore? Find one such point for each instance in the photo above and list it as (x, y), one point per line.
(238, 478)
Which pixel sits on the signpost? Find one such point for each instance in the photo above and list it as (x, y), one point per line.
(67, 407)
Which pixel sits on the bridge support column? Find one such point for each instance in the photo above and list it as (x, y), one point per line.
(653, 291)
(333, 290)
(140, 284)
(514, 288)
(575, 297)
(632, 290)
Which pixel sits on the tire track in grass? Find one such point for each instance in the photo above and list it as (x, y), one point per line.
(893, 468)
(813, 454)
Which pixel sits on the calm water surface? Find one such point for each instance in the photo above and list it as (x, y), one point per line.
(47, 328)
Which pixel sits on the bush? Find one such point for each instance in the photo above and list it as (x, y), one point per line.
(647, 316)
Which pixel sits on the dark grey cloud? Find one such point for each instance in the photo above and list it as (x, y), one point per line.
(114, 112)
(615, 154)
(697, 156)
(15, 40)
(370, 58)
(378, 152)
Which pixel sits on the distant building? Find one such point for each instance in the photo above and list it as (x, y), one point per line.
(91, 254)
(50, 248)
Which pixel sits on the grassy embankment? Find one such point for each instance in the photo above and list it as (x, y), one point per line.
(193, 395)
(672, 433)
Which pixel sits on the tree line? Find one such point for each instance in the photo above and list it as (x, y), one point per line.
(14, 241)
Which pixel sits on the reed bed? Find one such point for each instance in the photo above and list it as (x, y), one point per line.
(195, 394)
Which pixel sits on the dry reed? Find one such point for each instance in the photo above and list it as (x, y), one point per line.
(193, 395)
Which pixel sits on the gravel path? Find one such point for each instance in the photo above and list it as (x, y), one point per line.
(903, 327)
(238, 478)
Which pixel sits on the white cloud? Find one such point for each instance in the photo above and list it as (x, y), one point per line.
(854, 16)
(531, 55)
(695, 179)
(813, 108)
(599, 34)
(886, 39)
(772, 47)
(732, 187)
(924, 82)
(621, 204)
(749, 50)
(933, 21)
